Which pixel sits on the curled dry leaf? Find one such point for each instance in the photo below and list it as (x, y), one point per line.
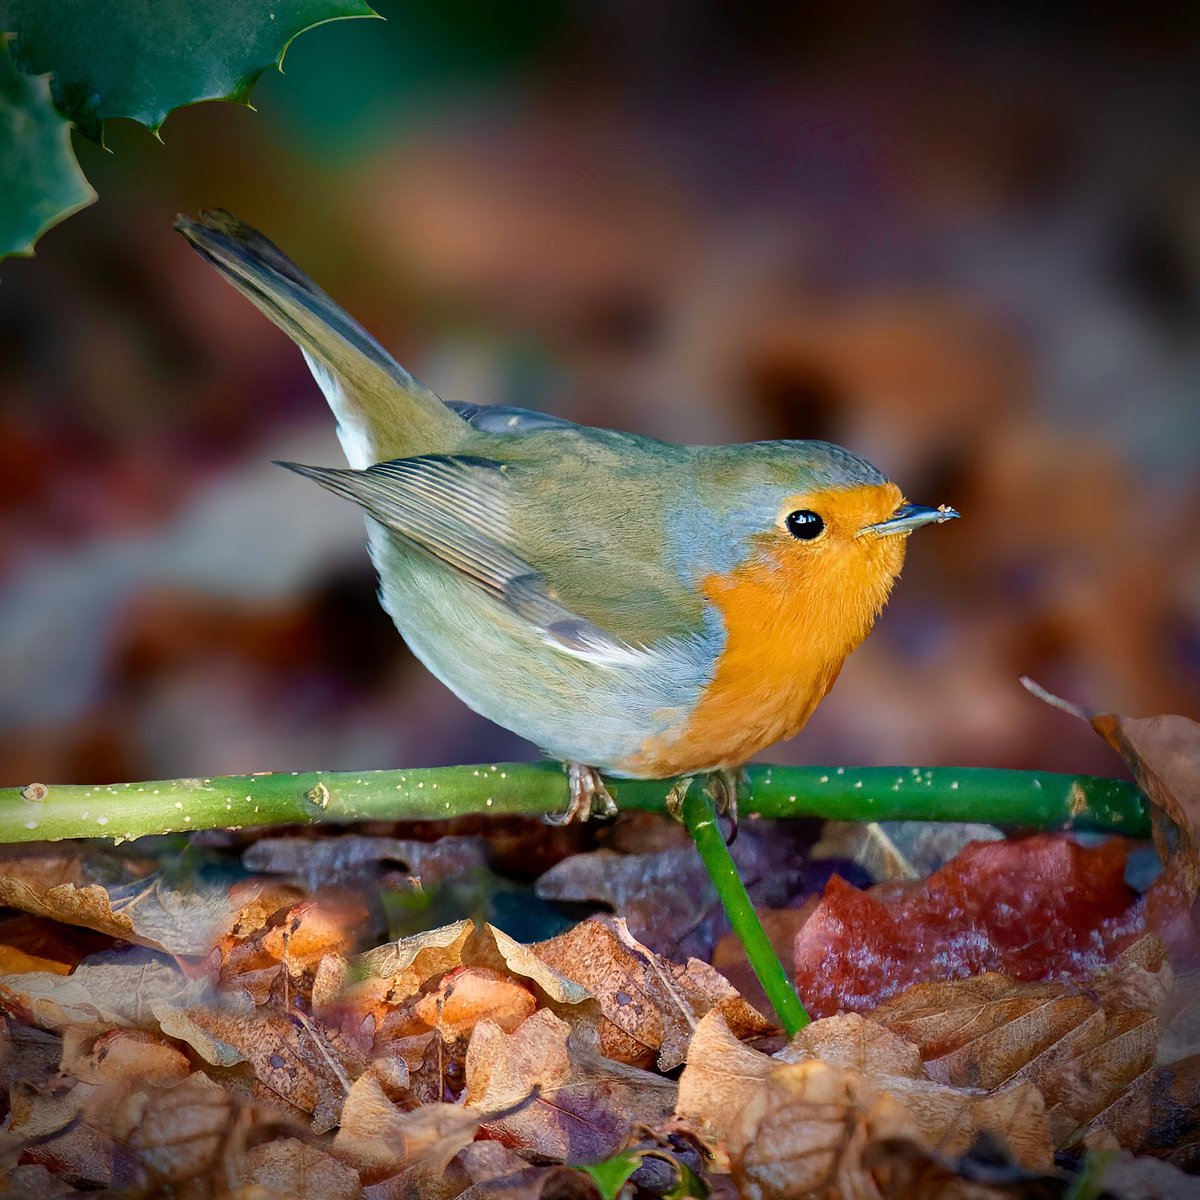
(972, 916)
(723, 1078)
(115, 987)
(147, 912)
(805, 1130)
(407, 964)
(580, 1107)
(381, 1141)
(649, 1006)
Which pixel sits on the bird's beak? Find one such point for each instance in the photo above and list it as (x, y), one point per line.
(907, 518)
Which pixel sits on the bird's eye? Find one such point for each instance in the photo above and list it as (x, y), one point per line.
(805, 524)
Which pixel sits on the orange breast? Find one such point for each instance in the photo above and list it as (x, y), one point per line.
(790, 621)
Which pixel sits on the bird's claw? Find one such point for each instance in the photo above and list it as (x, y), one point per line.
(722, 788)
(590, 797)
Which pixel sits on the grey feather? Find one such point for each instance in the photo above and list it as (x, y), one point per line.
(454, 509)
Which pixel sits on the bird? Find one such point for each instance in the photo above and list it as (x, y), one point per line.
(636, 608)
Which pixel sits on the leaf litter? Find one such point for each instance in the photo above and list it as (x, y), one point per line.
(1020, 1015)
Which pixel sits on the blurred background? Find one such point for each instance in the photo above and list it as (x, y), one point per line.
(965, 243)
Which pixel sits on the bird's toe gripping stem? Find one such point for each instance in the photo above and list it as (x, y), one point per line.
(589, 797)
(722, 787)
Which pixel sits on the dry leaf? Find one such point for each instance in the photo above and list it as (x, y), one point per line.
(805, 1130)
(990, 1031)
(329, 923)
(379, 1139)
(409, 963)
(115, 987)
(972, 916)
(723, 1078)
(347, 859)
(302, 1061)
(492, 947)
(720, 1077)
(581, 1106)
(147, 913)
(299, 1171)
(469, 995)
(649, 1006)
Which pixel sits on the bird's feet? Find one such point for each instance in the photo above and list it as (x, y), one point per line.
(722, 788)
(589, 797)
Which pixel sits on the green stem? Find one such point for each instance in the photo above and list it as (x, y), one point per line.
(1027, 799)
(701, 823)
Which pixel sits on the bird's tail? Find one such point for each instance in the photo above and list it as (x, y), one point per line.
(382, 411)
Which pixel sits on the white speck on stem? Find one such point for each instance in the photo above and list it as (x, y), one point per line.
(954, 785)
(858, 783)
(489, 799)
(101, 820)
(30, 824)
(823, 779)
(841, 770)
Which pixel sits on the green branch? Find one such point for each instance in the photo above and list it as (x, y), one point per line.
(1028, 799)
(701, 821)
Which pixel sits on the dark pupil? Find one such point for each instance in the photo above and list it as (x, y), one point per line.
(805, 525)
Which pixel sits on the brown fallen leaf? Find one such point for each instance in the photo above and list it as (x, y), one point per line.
(990, 1031)
(720, 1077)
(299, 1059)
(468, 995)
(357, 858)
(147, 912)
(649, 1006)
(493, 948)
(327, 923)
(581, 1105)
(805, 1131)
(379, 1139)
(300, 1171)
(723, 1078)
(409, 963)
(115, 987)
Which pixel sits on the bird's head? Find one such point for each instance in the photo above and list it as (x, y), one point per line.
(811, 530)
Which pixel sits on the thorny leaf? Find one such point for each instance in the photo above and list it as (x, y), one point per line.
(583, 1106)
(973, 915)
(649, 1006)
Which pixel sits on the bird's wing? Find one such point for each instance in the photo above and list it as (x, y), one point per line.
(455, 508)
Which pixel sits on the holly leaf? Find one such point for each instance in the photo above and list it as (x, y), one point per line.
(142, 59)
(41, 181)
